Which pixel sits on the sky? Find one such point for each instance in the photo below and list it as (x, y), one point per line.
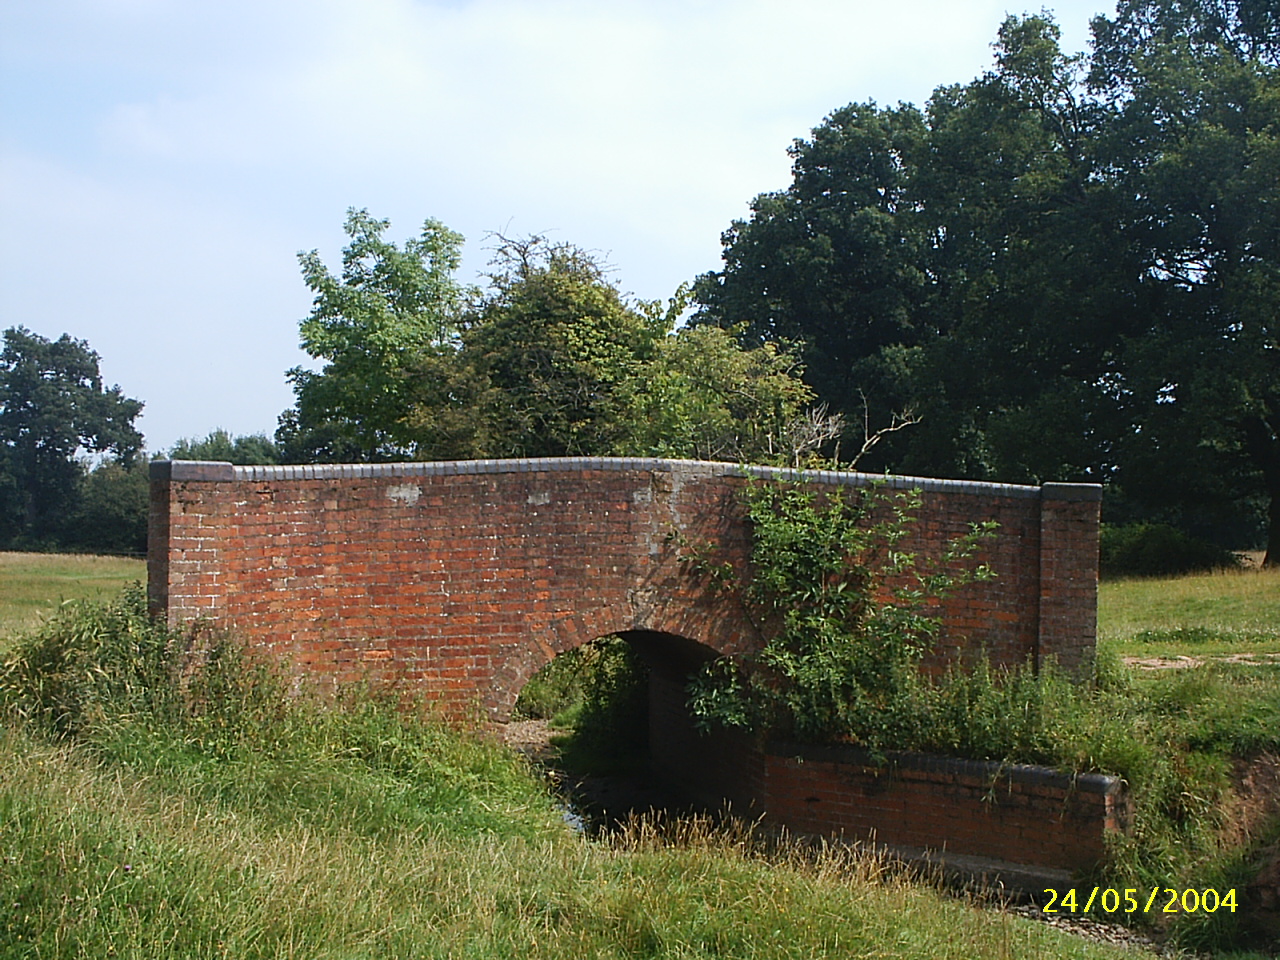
(163, 162)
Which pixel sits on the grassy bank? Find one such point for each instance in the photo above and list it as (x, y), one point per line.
(218, 817)
(104, 862)
(155, 807)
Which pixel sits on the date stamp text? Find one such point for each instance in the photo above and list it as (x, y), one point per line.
(1133, 900)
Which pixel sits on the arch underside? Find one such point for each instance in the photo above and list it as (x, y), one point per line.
(672, 646)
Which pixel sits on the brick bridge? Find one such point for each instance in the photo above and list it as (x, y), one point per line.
(462, 579)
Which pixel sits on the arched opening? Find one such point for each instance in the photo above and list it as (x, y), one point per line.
(609, 722)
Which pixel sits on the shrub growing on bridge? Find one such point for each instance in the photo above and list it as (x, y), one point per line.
(848, 611)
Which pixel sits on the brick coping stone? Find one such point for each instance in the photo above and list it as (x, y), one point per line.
(1032, 775)
(215, 471)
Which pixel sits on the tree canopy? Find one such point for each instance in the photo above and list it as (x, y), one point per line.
(368, 325)
(255, 448)
(550, 359)
(1067, 268)
(54, 412)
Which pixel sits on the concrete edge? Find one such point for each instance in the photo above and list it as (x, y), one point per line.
(199, 471)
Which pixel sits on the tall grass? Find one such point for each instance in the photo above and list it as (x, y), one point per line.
(106, 863)
(159, 799)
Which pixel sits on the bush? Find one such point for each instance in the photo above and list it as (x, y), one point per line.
(204, 716)
(1157, 550)
(90, 664)
(848, 612)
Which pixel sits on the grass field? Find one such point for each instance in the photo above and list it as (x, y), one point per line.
(32, 585)
(1210, 613)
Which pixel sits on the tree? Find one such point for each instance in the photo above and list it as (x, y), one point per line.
(1195, 90)
(704, 396)
(109, 512)
(389, 306)
(220, 445)
(932, 262)
(1076, 280)
(557, 349)
(551, 359)
(53, 410)
(835, 263)
(555, 361)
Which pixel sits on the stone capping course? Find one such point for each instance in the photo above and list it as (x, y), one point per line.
(203, 471)
(990, 770)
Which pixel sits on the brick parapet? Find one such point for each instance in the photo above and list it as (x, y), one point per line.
(1069, 515)
(465, 577)
(213, 471)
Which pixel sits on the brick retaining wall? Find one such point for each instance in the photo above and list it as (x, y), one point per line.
(1026, 815)
(1019, 814)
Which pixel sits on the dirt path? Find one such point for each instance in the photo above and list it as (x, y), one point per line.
(1185, 662)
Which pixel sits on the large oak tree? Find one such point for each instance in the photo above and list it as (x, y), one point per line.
(1067, 268)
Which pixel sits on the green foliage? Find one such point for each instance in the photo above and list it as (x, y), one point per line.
(369, 326)
(197, 711)
(53, 410)
(256, 448)
(550, 360)
(93, 663)
(1068, 268)
(558, 686)
(848, 614)
(110, 514)
(555, 350)
(1157, 550)
(703, 396)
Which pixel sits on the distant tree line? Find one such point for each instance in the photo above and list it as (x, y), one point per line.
(72, 473)
(1067, 269)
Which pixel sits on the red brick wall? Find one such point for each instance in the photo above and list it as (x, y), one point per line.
(465, 578)
(1019, 814)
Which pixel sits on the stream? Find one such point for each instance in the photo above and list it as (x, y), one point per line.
(591, 804)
